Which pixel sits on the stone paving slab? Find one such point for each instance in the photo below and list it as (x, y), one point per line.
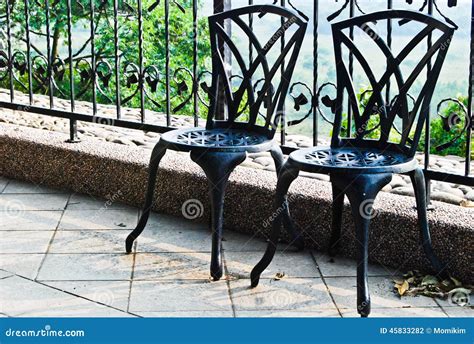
(22, 297)
(99, 219)
(184, 296)
(25, 241)
(29, 220)
(86, 267)
(47, 271)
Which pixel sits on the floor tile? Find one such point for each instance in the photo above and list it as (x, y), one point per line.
(154, 266)
(26, 265)
(240, 242)
(169, 234)
(5, 274)
(344, 267)
(21, 297)
(25, 241)
(425, 312)
(319, 313)
(3, 183)
(288, 294)
(344, 292)
(16, 204)
(89, 241)
(20, 187)
(80, 267)
(99, 219)
(89, 202)
(30, 220)
(172, 296)
(459, 312)
(110, 293)
(187, 314)
(289, 264)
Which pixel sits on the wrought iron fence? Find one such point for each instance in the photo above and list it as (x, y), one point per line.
(128, 54)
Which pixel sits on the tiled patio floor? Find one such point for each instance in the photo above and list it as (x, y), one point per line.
(62, 254)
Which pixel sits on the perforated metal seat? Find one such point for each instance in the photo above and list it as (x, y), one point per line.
(227, 140)
(351, 160)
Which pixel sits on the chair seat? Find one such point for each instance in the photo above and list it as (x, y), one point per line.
(226, 140)
(352, 160)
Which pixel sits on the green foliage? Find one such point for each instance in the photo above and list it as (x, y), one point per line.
(446, 128)
(154, 49)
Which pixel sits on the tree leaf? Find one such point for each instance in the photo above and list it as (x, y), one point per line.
(402, 288)
(429, 280)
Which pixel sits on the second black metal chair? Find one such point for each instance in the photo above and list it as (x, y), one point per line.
(360, 167)
(223, 144)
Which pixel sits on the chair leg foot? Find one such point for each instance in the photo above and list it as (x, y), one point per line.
(157, 154)
(287, 175)
(418, 181)
(362, 190)
(217, 166)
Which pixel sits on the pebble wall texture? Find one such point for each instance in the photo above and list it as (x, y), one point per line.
(119, 172)
(401, 185)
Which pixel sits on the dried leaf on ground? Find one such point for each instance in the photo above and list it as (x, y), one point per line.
(414, 283)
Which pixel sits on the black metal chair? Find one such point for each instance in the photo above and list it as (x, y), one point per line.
(223, 144)
(360, 167)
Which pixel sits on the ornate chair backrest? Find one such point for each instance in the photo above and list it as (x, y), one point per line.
(410, 112)
(254, 105)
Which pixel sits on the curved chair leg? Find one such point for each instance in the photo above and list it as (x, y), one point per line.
(418, 181)
(288, 174)
(158, 152)
(361, 191)
(288, 224)
(217, 166)
(337, 207)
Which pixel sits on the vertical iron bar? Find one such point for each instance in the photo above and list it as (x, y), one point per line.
(315, 72)
(28, 50)
(9, 43)
(93, 61)
(195, 63)
(470, 104)
(389, 44)
(251, 28)
(428, 116)
(351, 70)
(167, 61)
(141, 84)
(72, 123)
(283, 115)
(117, 62)
(49, 57)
